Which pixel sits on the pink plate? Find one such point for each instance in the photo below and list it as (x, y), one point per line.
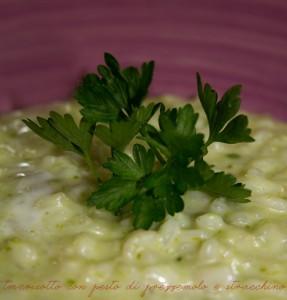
(45, 46)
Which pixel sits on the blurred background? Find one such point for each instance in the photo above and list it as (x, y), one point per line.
(46, 46)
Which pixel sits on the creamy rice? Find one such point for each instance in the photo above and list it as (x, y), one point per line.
(214, 249)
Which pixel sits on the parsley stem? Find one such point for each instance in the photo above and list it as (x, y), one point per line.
(157, 154)
(209, 141)
(91, 165)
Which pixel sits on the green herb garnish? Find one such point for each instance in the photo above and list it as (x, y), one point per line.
(170, 158)
(65, 133)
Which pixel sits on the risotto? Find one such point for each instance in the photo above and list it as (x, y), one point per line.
(52, 246)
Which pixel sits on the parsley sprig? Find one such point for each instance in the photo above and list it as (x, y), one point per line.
(65, 133)
(224, 125)
(167, 160)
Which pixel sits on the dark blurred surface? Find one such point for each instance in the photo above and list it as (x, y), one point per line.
(45, 46)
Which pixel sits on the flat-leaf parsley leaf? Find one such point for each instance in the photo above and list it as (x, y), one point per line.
(168, 161)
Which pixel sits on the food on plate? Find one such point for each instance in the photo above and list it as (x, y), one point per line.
(158, 199)
(150, 182)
